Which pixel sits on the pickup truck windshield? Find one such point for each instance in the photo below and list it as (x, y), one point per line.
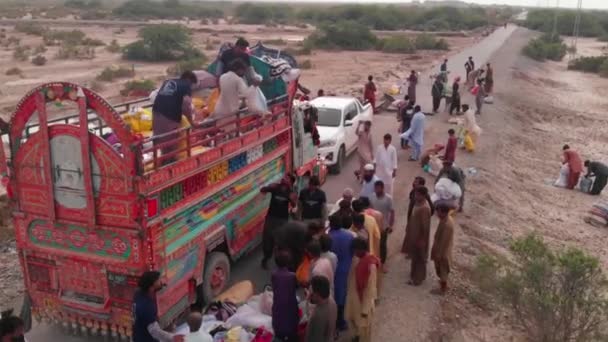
(329, 117)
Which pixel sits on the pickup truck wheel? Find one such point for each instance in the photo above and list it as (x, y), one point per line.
(216, 275)
(337, 167)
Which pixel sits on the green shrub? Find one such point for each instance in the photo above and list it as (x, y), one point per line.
(13, 72)
(603, 71)
(39, 60)
(190, 64)
(587, 64)
(603, 38)
(347, 35)
(546, 47)
(113, 47)
(109, 74)
(73, 37)
(555, 295)
(92, 42)
(397, 44)
(30, 28)
(429, 42)
(164, 42)
(139, 86)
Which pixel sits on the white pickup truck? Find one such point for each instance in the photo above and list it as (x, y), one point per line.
(338, 118)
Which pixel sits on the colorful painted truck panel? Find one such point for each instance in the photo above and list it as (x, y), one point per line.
(91, 216)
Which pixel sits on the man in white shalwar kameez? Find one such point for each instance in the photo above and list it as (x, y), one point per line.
(385, 160)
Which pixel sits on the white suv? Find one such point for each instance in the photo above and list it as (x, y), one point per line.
(338, 118)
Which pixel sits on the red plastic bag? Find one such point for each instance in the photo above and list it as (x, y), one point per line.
(475, 90)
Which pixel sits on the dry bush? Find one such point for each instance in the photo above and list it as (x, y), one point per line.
(114, 47)
(305, 64)
(21, 53)
(39, 60)
(14, 72)
(109, 74)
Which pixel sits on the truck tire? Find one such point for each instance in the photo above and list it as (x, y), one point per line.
(337, 167)
(216, 275)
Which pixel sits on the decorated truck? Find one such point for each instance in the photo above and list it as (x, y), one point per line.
(91, 215)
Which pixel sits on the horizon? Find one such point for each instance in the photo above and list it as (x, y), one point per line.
(563, 4)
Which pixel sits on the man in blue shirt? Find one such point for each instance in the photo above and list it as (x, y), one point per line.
(145, 312)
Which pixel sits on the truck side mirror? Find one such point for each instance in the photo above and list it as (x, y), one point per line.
(348, 123)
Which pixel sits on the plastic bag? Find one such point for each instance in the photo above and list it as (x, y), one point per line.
(256, 101)
(488, 100)
(469, 145)
(212, 100)
(266, 301)
(562, 179)
(475, 90)
(303, 271)
(248, 317)
(585, 184)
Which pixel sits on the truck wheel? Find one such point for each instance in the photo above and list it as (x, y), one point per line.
(216, 275)
(337, 167)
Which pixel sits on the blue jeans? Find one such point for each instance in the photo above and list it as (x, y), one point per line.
(416, 150)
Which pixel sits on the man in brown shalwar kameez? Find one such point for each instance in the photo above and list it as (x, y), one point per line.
(419, 230)
(441, 253)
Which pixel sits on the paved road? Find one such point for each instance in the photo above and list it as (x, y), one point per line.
(248, 268)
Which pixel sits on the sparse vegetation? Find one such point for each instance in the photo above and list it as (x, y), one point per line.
(14, 72)
(596, 64)
(397, 44)
(73, 37)
(21, 53)
(275, 42)
(109, 74)
(40, 49)
(555, 295)
(592, 24)
(167, 9)
(30, 28)
(190, 64)
(347, 35)
(138, 88)
(429, 42)
(377, 17)
(305, 64)
(39, 60)
(545, 47)
(165, 42)
(67, 51)
(113, 47)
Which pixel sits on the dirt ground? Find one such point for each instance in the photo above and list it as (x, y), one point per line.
(538, 108)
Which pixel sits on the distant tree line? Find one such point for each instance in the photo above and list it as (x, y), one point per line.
(376, 17)
(167, 9)
(592, 24)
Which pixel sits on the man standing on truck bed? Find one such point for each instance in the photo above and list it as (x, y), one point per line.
(145, 312)
(237, 52)
(281, 197)
(173, 100)
(312, 206)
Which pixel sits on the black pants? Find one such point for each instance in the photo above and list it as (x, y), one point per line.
(599, 184)
(436, 103)
(455, 105)
(383, 246)
(287, 338)
(269, 236)
(341, 322)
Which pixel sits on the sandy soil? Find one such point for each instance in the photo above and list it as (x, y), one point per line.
(538, 108)
(330, 70)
